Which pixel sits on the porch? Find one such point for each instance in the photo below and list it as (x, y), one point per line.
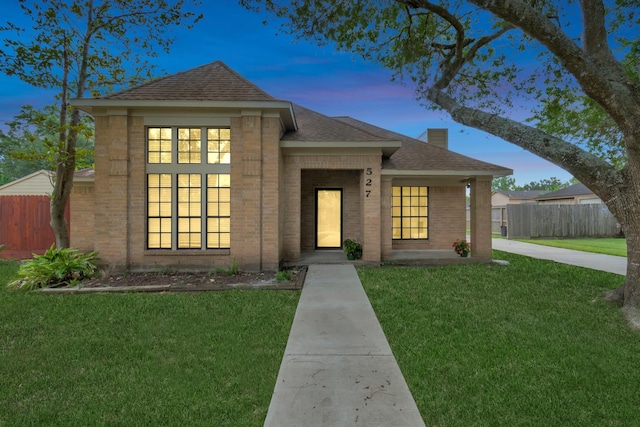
(430, 257)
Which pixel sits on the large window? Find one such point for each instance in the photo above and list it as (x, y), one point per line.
(410, 213)
(188, 188)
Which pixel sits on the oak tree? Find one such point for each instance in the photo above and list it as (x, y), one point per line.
(510, 68)
(80, 47)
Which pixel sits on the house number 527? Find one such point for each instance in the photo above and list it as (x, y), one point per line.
(368, 182)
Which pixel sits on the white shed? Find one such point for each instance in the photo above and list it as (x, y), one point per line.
(39, 183)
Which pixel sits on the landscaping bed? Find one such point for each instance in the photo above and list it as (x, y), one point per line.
(194, 282)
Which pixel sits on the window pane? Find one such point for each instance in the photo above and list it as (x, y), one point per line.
(165, 209)
(218, 146)
(189, 211)
(154, 241)
(154, 209)
(154, 225)
(189, 143)
(159, 145)
(165, 240)
(183, 209)
(158, 211)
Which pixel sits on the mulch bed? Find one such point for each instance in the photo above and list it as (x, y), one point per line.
(185, 282)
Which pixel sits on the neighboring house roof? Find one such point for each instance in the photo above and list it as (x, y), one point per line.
(567, 192)
(209, 82)
(87, 174)
(521, 194)
(36, 183)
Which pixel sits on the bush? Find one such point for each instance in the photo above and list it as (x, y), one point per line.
(283, 275)
(353, 248)
(56, 267)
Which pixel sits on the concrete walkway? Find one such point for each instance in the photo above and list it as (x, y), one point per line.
(338, 369)
(608, 263)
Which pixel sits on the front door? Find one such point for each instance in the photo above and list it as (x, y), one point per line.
(328, 218)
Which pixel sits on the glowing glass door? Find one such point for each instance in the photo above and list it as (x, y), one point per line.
(328, 218)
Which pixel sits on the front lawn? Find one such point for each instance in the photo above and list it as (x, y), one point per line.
(140, 359)
(608, 246)
(532, 343)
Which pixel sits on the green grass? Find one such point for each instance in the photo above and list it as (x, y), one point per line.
(532, 343)
(140, 359)
(608, 246)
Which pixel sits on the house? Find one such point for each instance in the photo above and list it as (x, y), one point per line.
(577, 194)
(503, 198)
(201, 168)
(39, 183)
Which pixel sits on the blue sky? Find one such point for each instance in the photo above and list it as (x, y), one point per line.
(319, 78)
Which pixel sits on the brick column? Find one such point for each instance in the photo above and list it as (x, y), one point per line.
(481, 217)
(292, 209)
(111, 184)
(246, 185)
(386, 234)
(271, 194)
(371, 196)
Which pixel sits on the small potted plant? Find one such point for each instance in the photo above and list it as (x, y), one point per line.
(353, 249)
(462, 247)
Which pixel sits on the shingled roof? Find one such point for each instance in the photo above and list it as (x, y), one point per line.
(418, 155)
(578, 189)
(522, 194)
(210, 82)
(313, 126)
(214, 85)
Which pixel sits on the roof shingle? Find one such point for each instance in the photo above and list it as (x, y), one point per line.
(419, 155)
(210, 82)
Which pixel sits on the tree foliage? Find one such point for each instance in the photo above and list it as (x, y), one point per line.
(569, 67)
(508, 183)
(31, 142)
(81, 47)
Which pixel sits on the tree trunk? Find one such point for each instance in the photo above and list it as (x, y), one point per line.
(58, 222)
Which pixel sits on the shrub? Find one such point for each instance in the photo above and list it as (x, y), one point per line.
(56, 267)
(353, 248)
(283, 275)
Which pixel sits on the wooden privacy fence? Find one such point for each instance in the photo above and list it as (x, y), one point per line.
(24, 226)
(532, 221)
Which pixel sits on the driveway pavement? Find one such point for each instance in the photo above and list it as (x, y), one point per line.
(338, 369)
(608, 263)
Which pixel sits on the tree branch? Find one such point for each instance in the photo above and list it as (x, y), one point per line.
(594, 32)
(586, 167)
(608, 85)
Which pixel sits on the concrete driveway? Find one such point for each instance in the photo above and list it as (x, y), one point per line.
(608, 263)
